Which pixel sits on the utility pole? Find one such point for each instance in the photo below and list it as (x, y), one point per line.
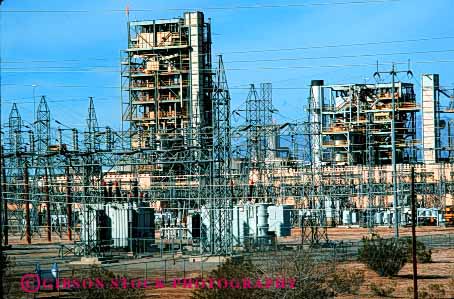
(3, 199)
(47, 200)
(2, 178)
(2, 262)
(34, 99)
(413, 234)
(68, 204)
(27, 204)
(393, 145)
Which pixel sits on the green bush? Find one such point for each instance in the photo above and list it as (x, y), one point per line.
(384, 256)
(422, 254)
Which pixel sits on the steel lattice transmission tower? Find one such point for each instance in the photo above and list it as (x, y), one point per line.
(14, 165)
(91, 135)
(40, 158)
(221, 202)
(42, 126)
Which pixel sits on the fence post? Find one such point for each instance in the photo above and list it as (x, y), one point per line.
(184, 268)
(165, 271)
(201, 265)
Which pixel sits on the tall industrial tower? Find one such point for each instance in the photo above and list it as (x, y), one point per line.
(167, 82)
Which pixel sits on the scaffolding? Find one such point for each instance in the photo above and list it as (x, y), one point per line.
(355, 123)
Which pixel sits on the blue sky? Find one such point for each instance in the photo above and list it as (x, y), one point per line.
(70, 56)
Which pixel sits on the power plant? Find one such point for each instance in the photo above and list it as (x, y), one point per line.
(182, 177)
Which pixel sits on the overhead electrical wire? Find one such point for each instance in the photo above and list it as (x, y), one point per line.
(231, 87)
(277, 59)
(373, 43)
(233, 7)
(263, 50)
(265, 68)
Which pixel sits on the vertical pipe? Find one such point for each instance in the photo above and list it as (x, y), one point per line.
(130, 219)
(59, 138)
(27, 205)
(5, 199)
(68, 204)
(2, 172)
(413, 234)
(135, 191)
(393, 152)
(75, 140)
(2, 178)
(47, 200)
(109, 192)
(86, 211)
(2, 225)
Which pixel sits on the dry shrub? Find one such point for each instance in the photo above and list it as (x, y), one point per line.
(382, 290)
(346, 282)
(432, 291)
(107, 292)
(314, 279)
(11, 280)
(237, 268)
(384, 256)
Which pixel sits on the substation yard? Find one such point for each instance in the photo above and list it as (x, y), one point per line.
(440, 271)
(194, 173)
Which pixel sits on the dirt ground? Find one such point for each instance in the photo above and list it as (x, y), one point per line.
(334, 233)
(439, 272)
(356, 233)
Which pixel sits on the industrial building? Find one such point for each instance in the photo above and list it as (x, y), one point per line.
(355, 123)
(180, 177)
(167, 79)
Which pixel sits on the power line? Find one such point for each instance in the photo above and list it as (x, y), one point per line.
(342, 56)
(234, 7)
(264, 68)
(89, 68)
(258, 68)
(72, 99)
(343, 45)
(264, 60)
(358, 44)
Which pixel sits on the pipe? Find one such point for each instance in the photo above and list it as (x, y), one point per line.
(27, 205)
(68, 204)
(413, 234)
(47, 199)
(5, 200)
(394, 158)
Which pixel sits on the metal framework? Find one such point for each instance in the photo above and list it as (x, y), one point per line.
(183, 162)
